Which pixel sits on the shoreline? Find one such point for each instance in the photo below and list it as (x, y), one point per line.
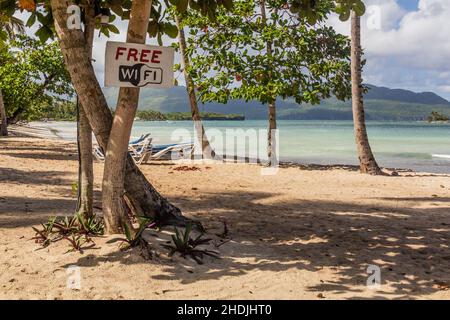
(36, 131)
(304, 233)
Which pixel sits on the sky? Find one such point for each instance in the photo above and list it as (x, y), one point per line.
(406, 43)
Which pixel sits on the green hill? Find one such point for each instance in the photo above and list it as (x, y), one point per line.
(381, 104)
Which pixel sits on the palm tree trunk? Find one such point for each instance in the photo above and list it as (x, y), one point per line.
(367, 162)
(143, 197)
(271, 152)
(3, 121)
(116, 153)
(271, 149)
(86, 176)
(207, 150)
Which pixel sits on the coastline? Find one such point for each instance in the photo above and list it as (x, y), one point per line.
(50, 130)
(305, 233)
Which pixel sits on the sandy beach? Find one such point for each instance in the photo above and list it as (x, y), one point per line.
(305, 233)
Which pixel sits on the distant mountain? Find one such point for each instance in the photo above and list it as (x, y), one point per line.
(381, 104)
(400, 95)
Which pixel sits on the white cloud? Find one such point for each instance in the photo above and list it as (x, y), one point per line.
(411, 50)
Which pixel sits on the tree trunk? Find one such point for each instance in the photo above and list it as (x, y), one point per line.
(207, 150)
(367, 162)
(271, 151)
(271, 143)
(86, 177)
(141, 194)
(116, 154)
(86, 174)
(3, 122)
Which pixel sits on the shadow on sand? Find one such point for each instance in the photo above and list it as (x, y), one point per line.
(410, 245)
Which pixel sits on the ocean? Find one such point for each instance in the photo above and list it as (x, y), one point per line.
(419, 146)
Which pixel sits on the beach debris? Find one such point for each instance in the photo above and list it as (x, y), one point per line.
(187, 168)
(440, 285)
(225, 232)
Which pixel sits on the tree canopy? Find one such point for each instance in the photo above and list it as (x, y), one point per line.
(33, 78)
(229, 58)
(159, 24)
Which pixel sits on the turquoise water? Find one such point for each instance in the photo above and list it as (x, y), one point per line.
(415, 145)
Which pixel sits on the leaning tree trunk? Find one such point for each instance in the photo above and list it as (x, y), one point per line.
(367, 162)
(3, 121)
(207, 150)
(143, 197)
(116, 153)
(86, 176)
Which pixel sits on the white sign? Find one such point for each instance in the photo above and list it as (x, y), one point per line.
(138, 65)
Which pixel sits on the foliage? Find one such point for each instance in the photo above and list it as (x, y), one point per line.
(436, 116)
(151, 115)
(134, 238)
(9, 26)
(158, 25)
(186, 246)
(60, 110)
(77, 230)
(33, 78)
(41, 16)
(230, 60)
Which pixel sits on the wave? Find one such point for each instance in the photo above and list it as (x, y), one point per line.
(442, 156)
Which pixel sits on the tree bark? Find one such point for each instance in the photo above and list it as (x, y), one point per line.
(113, 188)
(271, 151)
(271, 143)
(367, 162)
(3, 121)
(141, 194)
(86, 176)
(207, 150)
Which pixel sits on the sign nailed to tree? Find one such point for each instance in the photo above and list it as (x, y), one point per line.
(138, 66)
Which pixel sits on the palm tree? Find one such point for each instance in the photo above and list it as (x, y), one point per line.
(367, 162)
(9, 26)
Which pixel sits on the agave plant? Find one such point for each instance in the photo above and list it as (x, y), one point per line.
(77, 241)
(91, 225)
(46, 235)
(186, 246)
(134, 238)
(77, 230)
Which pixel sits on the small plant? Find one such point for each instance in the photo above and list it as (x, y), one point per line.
(66, 226)
(77, 241)
(45, 236)
(92, 225)
(74, 189)
(185, 245)
(77, 230)
(134, 238)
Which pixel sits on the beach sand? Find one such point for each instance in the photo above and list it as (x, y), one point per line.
(304, 233)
